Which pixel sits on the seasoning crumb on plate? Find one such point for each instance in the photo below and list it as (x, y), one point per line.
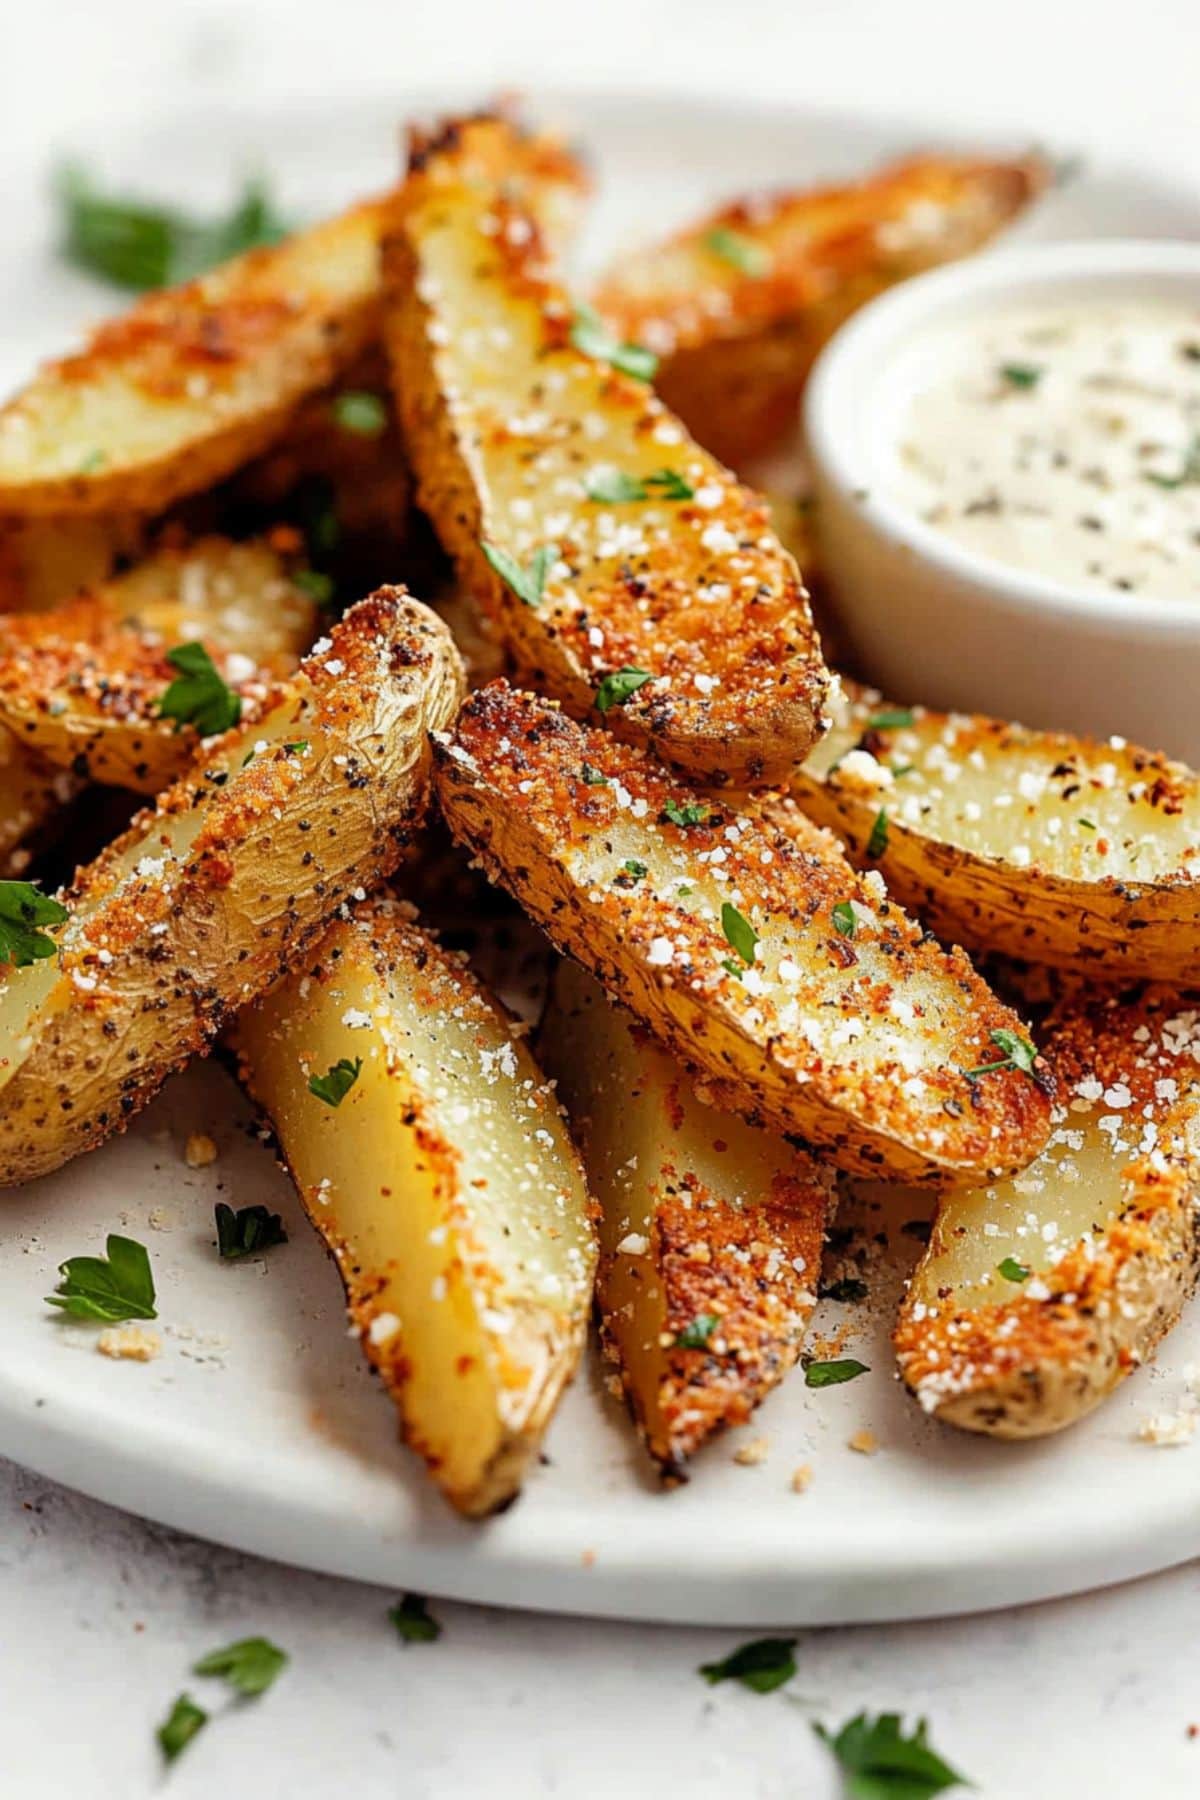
(129, 1343)
(199, 1150)
(864, 1441)
(802, 1478)
(751, 1454)
(1168, 1430)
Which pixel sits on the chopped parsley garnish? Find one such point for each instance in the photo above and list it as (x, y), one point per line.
(896, 720)
(359, 411)
(740, 935)
(847, 1290)
(413, 1620)
(844, 921)
(247, 1232)
(740, 252)
(832, 1374)
(139, 245)
(1189, 469)
(23, 907)
(880, 1763)
(316, 584)
(618, 488)
(335, 1084)
(618, 687)
(733, 968)
(634, 869)
(1012, 1270)
(1021, 375)
(1088, 824)
(762, 1665)
(95, 459)
(180, 1726)
(591, 777)
(696, 1335)
(1018, 1054)
(251, 1665)
(295, 748)
(528, 584)
(877, 843)
(198, 696)
(590, 334)
(694, 813)
(109, 1288)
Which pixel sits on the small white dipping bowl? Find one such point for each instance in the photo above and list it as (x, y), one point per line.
(934, 622)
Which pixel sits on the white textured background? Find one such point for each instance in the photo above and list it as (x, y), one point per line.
(100, 1615)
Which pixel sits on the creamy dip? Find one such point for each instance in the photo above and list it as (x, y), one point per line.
(1063, 440)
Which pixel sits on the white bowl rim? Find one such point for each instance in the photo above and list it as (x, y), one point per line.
(917, 303)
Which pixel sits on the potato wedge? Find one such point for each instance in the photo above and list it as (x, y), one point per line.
(721, 935)
(634, 554)
(1047, 847)
(710, 1230)
(444, 1184)
(44, 561)
(211, 895)
(194, 381)
(1037, 1296)
(82, 684)
(738, 305)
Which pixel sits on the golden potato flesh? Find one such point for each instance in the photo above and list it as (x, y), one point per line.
(443, 1182)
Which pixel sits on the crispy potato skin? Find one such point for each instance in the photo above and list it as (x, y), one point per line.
(195, 380)
(160, 949)
(697, 592)
(737, 342)
(1037, 1362)
(1108, 878)
(81, 683)
(444, 1268)
(511, 781)
(701, 1216)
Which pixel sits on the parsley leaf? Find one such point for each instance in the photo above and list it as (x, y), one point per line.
(618, 487)
(1020, 375)
(832, 1374)
(1012, 1270)
(882, 1764)
(844, 921)
(592, 777)
(1018, 1054)
(116, 1286)
(635, 868)
(740, 252)
(180, 1726)
(590, 334)
(740, 935)
(136, 244)
(335, 1084)
(1189, 468)
(898, 719)
(696, 1335)
(527, 584)
(248, 1231)
(413, 1620)
(878, 841)
(618, 687)
(762, 1665)
(316, 584)
(251, 1665)
(732, 968)
(361, 412)
(694, 813)
(198, 696)
(22, 909)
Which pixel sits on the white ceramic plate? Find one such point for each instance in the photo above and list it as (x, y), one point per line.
(258, 1427)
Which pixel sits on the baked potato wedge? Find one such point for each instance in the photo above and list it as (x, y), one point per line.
(212, 894)
(194, 381)
(1037, 1296)
(738, 305)
(608, 548)
(83, 684)
(710, 1230)
(1046, 847)
(804, 997)
(443, 1182)
(44, 561)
